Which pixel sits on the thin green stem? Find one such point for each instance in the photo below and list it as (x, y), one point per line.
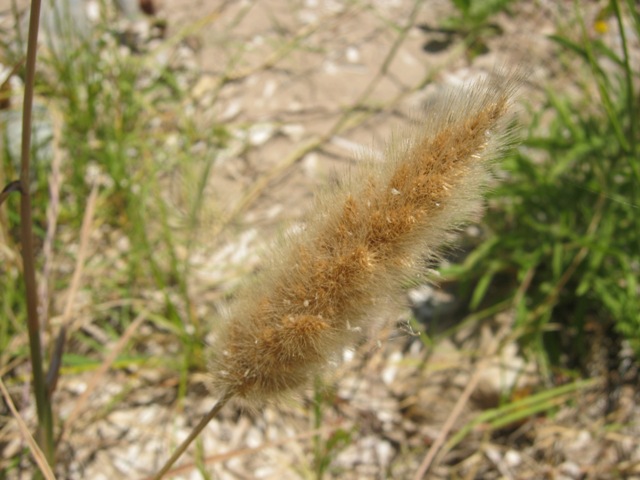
(601, 82)
(631, 97)
(628, 77)
(43, 404)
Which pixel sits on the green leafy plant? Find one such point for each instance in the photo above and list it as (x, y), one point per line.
(563, 240)
(477, 12)
(473, 22)
(325, 449)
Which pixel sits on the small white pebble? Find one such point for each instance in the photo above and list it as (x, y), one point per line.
(571, 470)
(260, 133)
(353, 55)
(512, 458)
(348, 355)
(385, 452)
(493, 454)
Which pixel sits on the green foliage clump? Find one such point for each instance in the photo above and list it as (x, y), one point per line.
(473, 23)
(110, 114)
(566, 241)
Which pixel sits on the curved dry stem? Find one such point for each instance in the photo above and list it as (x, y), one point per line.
(38, 456)
(192, 436)
(436, 447)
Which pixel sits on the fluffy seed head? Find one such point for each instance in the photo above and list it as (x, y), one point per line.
(322, 285)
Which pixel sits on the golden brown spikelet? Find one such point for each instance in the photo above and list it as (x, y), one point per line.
(322, 284)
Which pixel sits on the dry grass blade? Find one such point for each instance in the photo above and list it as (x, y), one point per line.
(345, 121)
(12, 187)
(459, 406)
(53, 207)
(73, 289)
(85, 231)
(449, 423)
(223, 457)
(284, 50)
(99, 374)
(37, 453)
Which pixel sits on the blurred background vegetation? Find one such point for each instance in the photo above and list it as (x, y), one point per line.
(560, 243)
(562, 239)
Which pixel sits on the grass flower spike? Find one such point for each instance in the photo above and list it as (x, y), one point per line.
(323, 284)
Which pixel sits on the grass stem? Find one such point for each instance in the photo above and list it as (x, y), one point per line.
(43, 404)
(192, 436)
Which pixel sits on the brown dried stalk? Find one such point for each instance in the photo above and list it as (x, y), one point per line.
(40, 390)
